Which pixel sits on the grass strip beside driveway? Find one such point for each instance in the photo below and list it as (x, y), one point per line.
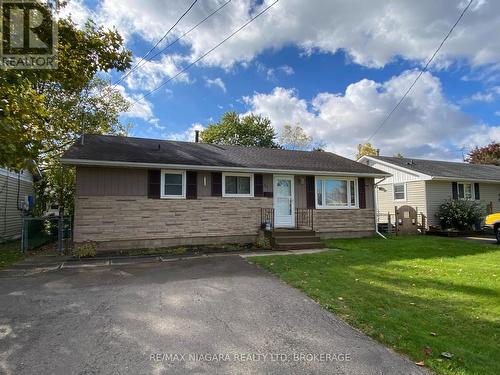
(419, 295)
(10, 252)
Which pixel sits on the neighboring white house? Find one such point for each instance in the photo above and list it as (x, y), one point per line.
(426, 184)
(15, 188)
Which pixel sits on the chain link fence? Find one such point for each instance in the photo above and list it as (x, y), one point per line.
(37, 232)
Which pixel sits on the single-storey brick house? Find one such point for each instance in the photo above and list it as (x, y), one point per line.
(135, 192)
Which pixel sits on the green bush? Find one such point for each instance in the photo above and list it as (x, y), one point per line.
(459, 214)
(85, 250)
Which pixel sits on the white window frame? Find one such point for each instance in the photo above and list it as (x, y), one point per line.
(472, 191)
(230, 174)
(162, 182)
(394, 192)
(348, 179)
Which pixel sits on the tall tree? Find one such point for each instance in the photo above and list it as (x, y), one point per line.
(295, 138)
(34, 104)
(233, 129)
(366, 150)
(489, 154)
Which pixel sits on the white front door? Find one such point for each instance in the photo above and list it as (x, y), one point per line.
(284, 205)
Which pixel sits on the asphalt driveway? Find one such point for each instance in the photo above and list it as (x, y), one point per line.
(215, 315)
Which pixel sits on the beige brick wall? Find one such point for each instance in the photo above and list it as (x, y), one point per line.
(138, 221)
(344, 223)
(131, 218)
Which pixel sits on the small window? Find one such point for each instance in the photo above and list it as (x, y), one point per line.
(173, 184)
(336, 193)
(399, 192)
(237, 185)
(465, 190)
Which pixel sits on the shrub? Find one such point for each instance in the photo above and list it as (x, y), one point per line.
(459, 214)
(85, 250)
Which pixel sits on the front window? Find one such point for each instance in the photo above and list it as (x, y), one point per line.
(173, 184)
(399, 192)
(336, 193)
(465, 190)
(237, 185)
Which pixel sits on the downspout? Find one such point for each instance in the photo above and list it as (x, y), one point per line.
(375, 203)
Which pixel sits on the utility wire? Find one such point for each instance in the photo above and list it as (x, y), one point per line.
(419, 75)
(156, 45)
(204, 55)
(175, 41)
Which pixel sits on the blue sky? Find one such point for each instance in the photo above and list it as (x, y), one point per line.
(335, 69)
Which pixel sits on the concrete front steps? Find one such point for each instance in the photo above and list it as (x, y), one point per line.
(295, 239)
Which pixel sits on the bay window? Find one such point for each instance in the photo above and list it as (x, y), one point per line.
(336, 192)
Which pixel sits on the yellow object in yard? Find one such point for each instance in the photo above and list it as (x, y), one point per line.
(492, 219)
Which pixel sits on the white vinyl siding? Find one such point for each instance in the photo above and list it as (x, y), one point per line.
(397, 174)
(440, 191)
(10, 216)
(415, 197)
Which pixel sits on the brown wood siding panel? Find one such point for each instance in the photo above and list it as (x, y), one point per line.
(204, 184)
(300, 192)
(101, 181)
(10, 216)
(267, 180)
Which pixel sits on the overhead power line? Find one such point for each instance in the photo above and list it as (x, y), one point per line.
(204, 55)
(419, 75)
(176, 40)
(156, 45)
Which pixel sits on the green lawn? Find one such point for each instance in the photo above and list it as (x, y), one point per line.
(10, 253)
(419, 295)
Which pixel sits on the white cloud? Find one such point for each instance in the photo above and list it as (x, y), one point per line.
(187, 135)
(77, 10)
(426, 124)
(152, 73)
(216, 82)
(288, 70)
(371, 32)
(142, 109)
(487, 96)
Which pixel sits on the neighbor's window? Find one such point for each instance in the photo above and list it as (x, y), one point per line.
(237, 185)
(399, 192)
(336, 193)
(173, 184)
(465, 190)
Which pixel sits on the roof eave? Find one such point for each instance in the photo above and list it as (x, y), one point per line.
(107, 163)
(439, 178)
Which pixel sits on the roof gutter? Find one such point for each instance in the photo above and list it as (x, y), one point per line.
(436, 178)
(106, 163)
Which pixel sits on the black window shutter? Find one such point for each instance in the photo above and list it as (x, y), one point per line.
(310, 192)
(191, 185)
(154, 182)
(216, 184)
(477, 196)
(454, 190)
(362, 193)
(258, 185)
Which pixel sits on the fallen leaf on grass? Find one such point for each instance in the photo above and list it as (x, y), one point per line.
(433, 334)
